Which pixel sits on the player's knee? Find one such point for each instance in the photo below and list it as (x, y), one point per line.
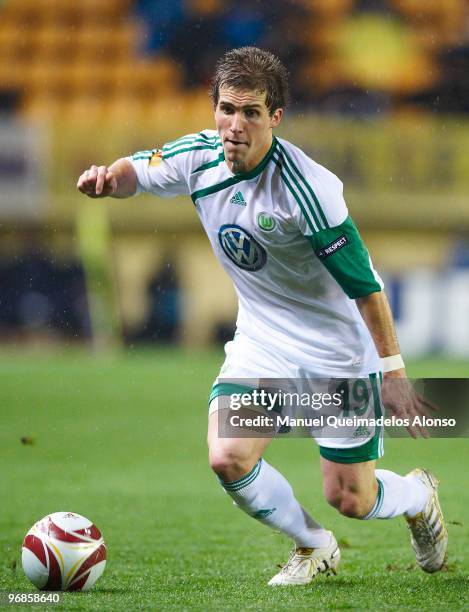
(228, 463)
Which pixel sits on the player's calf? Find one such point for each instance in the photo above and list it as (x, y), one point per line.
(232, 458)
(350, 488)
(351, 504)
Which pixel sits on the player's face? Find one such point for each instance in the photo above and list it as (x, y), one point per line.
(245, 127)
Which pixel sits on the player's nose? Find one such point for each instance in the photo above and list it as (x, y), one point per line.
(236, 123)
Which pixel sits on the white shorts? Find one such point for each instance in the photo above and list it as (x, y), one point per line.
(248, 365)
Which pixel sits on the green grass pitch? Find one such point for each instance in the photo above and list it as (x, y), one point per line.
(122, 441)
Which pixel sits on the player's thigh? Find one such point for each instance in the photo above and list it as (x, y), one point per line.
(342, 479)
(247, 447)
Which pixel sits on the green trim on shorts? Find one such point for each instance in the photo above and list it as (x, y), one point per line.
(372, 449)
(366, 452)
(227, 389)
(230, 388)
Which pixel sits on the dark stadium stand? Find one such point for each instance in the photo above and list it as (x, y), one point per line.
(87, 57)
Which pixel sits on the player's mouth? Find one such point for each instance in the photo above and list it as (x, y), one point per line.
(236, 143)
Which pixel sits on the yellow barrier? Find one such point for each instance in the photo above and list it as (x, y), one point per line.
(409, 172)
(406, 182)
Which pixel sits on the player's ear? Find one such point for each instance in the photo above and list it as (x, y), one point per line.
(276, 117)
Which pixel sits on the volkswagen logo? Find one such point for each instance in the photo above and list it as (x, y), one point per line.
(242, 248)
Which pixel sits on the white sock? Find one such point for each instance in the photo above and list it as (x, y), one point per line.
(398, 495)
(266, 495)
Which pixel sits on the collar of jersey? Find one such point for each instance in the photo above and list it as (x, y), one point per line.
(237, 178)
(260, 166)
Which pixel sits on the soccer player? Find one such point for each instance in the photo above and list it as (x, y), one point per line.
(311, 305)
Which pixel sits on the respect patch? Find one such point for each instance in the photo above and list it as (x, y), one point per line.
(333, 247)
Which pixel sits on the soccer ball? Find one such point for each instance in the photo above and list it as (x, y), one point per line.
(63, 552)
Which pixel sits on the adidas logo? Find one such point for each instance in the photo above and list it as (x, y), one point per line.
(262, 514)
(361, 432)
(238, 199)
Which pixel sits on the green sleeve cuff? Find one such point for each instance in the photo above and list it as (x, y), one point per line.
(342, 252)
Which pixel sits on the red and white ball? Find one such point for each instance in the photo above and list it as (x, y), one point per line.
(64, 552)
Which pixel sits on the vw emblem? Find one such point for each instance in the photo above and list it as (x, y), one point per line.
(242, 248)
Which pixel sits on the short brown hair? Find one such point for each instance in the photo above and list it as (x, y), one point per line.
(252, 69)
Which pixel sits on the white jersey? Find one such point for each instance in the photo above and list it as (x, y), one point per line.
(283, 234)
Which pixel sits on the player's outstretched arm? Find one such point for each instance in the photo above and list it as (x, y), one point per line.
(397, 392)
(117, 181)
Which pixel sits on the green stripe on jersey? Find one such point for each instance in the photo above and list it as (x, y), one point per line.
(190, 143)
(318, 207)
(242, 176)
(294, 194)
(343, 253)
(189, 138)
(144, 154)
(181, 140)
(308, 210)
(211, 164)
(196, 147)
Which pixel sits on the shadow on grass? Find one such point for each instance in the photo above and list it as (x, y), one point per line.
(108, 591)
(443, 579)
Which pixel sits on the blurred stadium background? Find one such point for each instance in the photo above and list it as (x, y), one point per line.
(380, 96)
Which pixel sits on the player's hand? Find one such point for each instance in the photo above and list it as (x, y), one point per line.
(404, 402)
(97, 182)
